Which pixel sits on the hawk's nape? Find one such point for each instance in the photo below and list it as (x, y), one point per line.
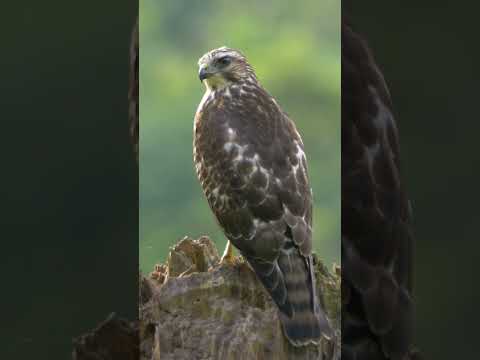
(251, 163)
(377, 306)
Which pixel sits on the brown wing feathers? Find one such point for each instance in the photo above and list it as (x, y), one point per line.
(377, 309)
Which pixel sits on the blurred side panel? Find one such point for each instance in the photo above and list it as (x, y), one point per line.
(69, 180)
(377, 239)
(428, 55)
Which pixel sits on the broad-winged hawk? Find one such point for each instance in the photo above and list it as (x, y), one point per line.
(251, 163)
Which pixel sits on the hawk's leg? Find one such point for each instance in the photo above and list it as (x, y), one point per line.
(228, 257)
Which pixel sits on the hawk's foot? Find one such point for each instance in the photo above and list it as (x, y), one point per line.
(228, 256)
(159, 273)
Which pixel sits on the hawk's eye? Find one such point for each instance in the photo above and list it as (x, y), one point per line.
(224, 61)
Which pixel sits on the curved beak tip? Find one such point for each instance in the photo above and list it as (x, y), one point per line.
(203, 74)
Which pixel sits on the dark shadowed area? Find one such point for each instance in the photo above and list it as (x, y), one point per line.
(69, 191)
(429, 56)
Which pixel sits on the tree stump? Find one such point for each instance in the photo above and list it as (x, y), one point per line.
(193, 308)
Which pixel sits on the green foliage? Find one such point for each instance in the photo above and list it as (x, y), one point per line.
(295, 51)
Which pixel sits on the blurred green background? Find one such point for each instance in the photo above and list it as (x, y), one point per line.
(295, 51)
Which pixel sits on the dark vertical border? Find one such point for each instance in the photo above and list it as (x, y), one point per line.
(69, 180)
(428, 53)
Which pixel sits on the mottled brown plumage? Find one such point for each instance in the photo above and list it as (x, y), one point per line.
(377, 307)
(251, 163)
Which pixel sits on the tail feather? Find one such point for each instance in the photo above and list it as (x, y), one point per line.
(290, 282)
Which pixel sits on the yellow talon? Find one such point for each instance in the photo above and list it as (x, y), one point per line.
(228, 256)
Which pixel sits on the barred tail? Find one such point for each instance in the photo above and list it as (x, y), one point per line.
(290, 282)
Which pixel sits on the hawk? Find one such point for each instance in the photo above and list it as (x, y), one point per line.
(377, 306)
(250, 160)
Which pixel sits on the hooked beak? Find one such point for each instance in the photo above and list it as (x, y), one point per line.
(204, 74)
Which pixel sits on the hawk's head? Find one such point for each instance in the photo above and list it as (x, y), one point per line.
(222, 67)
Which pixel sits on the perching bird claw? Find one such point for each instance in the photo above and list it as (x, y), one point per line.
(228, 257)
